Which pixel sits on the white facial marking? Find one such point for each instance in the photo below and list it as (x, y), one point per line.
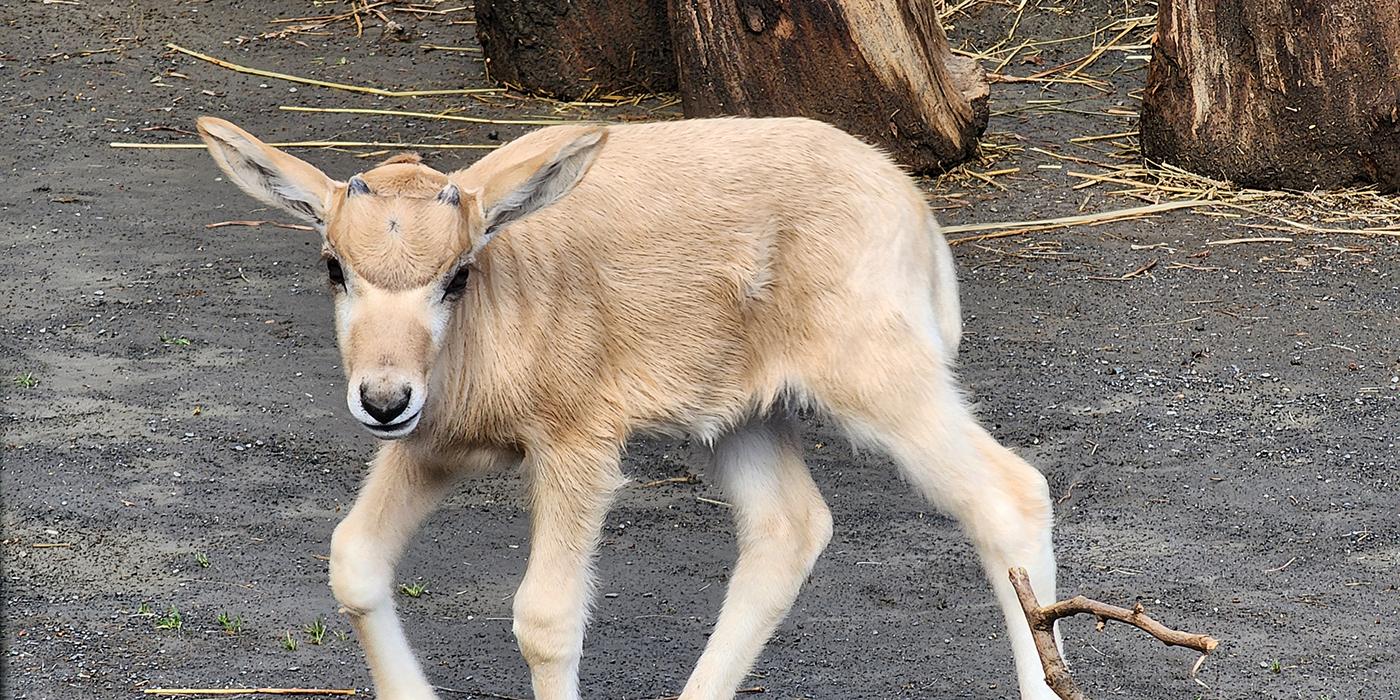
(362, 303)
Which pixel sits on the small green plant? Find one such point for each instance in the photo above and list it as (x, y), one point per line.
(289, 642)
(178, 340)
(144, 609)
(202, 559)
(342, 636)
(232, 624)
(414, 590)
(1276, 666)
(171, 620)
(26, 380)
(316, 631)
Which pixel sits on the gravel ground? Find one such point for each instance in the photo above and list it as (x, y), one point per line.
(1219, 430)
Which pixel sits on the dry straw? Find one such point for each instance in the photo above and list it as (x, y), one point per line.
(322, 83)
(319, 144)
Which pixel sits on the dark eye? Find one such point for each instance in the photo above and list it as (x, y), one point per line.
(334, 271)
(457, 283)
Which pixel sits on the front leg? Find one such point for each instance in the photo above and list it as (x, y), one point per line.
(571, 493)
(400, 492)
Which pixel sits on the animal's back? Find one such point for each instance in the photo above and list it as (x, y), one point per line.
(712, 260)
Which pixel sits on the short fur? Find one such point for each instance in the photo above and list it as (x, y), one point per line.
(693, 277)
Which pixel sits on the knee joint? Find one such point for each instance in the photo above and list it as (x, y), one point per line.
(546, 636)
(360, 580)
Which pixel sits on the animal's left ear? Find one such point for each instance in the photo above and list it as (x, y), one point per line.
(549, 183)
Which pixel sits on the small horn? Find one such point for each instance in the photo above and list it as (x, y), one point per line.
(450, 195)
(357, 186)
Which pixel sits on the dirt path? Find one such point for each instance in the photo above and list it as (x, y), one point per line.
(1219, 428)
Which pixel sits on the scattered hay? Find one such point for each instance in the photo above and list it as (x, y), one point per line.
(993, 149)
(1003, 229)
(1297, 211)
(1108, 164)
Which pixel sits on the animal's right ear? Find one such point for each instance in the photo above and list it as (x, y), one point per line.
(266, 173)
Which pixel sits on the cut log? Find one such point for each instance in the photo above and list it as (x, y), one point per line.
(572, 49)
(880, 69)
(1290, 94)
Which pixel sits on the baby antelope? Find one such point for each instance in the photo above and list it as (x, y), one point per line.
(585, 283)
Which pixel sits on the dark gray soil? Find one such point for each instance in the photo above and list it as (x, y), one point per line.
(1219, 431)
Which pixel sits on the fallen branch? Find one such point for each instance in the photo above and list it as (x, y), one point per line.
(1042, 622)
(249, 691)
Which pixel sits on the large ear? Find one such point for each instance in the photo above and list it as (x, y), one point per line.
(266, 173)
(548, 184)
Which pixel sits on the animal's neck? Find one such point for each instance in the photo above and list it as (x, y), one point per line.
(505, 351)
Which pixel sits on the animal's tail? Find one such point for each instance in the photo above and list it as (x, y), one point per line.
(945, 290)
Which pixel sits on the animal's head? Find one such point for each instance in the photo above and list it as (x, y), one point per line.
(399, 244)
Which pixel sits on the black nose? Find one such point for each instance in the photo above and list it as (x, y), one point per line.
(385, 405)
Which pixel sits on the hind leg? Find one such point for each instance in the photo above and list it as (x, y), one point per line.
(1001, 501)
(1025, 490)
(783, 525)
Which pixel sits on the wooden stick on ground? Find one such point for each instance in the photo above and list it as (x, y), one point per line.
(1042, 622)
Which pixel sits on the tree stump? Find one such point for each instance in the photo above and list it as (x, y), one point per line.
(1290, 94)
(881, 69)
(571, 49)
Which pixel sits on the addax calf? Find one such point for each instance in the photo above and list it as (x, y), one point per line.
(584, 283)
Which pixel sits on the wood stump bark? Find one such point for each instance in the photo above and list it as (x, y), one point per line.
(880, 69)
(1290, 94)
(572, 49)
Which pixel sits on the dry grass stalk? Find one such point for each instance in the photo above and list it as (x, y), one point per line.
(1042, 622)
(320, 144)
(687, 479)
(1014, 228)
(1098, 52)
(742, 691)
(427, 115)
(256, 224)
(1099, 85)
(990, 151)
(437, 47)
(1156, 183)
(1236, 241)
(248, 691)
(331, 18)
(322, 83)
